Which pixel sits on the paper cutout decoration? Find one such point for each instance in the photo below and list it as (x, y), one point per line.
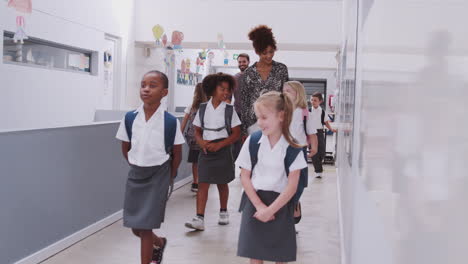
(198, 63)
(164, 40)
(187, 66)
(169, 58)
(221, 41)
(23, 6)
(182, 66)
(177, 38)
(226, 58)
(157, 33)
(20, 33)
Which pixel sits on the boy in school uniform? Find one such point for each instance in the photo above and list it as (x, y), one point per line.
(152, 144)
(320, 119)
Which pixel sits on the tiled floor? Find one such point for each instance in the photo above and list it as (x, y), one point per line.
(318, 238)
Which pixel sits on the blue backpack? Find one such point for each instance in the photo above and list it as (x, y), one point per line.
(254, 146)
(170, 127)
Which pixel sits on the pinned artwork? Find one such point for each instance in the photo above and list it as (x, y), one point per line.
(177, 38)
(221, 41)
(169, 58)
(164, 40)
(198, 65)
(182, 66)
(226, 58)
(190, 79)
(22, 6)
(157, 33)
(187, 66)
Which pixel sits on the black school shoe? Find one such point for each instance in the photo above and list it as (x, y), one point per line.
(158, 252)
(297, 219)
(194, 187)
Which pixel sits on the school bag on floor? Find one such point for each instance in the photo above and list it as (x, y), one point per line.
(254, 146)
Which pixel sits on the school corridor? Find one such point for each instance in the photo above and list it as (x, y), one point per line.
(318, 238)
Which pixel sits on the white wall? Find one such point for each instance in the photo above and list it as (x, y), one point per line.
(38, 98)
(201, 20)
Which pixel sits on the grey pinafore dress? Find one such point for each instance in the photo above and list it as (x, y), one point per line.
(217, 167)
(146, 196)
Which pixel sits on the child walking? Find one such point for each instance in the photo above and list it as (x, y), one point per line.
(151, 143)
(270, 162)
(320, 119)
(303, 131)
(190, 112)
(217, 127)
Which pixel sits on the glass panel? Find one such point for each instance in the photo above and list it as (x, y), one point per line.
(36, 52)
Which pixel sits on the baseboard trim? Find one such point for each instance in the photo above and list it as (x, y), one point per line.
(183, 182)
(72, 239)
(340, 219)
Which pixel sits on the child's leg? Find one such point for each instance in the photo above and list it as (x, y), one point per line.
(147, 239)
(256, 261)
(157, 241)
(202, 197)
(223, 190)
(195, 172)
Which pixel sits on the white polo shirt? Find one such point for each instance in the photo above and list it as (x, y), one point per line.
(148, 147)
(188, 108)
(269, 173)
(297, 126)
(214, 118)
(317, 117)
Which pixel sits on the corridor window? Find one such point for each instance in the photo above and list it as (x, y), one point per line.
(45, 54)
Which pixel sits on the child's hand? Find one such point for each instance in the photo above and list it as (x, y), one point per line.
(264, 215)
(214, 147)
(312, 152)
(203, 146)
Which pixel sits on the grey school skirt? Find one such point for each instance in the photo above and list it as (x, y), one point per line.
(146, 196)
(216, 167)
(272, 241)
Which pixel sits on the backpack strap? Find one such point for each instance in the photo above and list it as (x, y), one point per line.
(170, 127)
(305, 115)
(228, 118)
(323, 117)
(254, 146)
(291, 155)
(201, 113)
(129, 118)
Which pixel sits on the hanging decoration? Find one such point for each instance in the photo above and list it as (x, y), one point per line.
(177, 38)
(21, 6)
(20, 34)
(158, 31)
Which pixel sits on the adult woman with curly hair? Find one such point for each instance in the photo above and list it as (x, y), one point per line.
(263, 76)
